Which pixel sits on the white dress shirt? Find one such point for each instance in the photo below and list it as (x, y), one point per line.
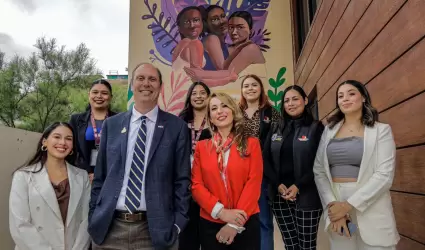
(135, 122)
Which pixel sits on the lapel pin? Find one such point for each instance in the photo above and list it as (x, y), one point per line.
(123, 130)
(160, 126)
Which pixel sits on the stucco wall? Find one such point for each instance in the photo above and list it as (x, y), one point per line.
(15, 148)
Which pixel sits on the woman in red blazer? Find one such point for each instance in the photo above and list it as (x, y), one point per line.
(226, 180)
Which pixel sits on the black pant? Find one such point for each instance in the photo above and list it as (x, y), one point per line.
(247, 240)
(189, 238)
(298, 226)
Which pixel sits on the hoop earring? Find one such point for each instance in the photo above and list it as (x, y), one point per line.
(43, 148)
(72, 152)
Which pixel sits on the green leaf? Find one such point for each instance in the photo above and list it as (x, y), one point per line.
(273, 83)
(279, 96)
(271, 95)
(281, 81)
(281, 72)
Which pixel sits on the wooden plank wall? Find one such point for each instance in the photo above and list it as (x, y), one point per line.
(381, 44)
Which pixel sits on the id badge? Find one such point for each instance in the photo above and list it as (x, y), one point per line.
(93, 157)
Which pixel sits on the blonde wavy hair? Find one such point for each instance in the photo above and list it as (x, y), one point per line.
(239, 137)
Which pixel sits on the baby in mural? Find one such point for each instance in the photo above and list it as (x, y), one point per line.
(245, 57)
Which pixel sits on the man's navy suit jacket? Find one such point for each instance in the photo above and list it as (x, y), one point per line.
(167, 180)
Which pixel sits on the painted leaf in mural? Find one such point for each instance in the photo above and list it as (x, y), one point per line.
(175, 102)
(164, 29)
(273, 93)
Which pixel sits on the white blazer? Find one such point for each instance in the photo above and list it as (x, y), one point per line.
(372, 200)
(35, 220)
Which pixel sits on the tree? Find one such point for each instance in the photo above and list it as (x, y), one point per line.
(37, 87)
(16, 79)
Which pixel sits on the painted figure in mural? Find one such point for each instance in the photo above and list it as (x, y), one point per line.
(189, 52)
(216, 50)
(245, 57)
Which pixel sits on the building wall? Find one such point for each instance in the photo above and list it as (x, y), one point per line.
(381, 44)
(16, 147)
(271, 18)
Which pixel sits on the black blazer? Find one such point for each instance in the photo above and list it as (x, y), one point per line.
(81, 157)
(304, 153)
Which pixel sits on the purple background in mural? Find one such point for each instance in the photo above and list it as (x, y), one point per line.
(165, 33)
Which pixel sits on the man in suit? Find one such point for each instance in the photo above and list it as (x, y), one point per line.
(140, 195)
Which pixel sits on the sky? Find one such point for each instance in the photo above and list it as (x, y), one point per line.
(101, 24)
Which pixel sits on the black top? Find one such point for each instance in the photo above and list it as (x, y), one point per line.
(286, 171)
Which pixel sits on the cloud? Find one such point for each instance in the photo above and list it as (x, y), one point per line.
(25, 5)
(30, 6)
(10, 47)
(101, 24)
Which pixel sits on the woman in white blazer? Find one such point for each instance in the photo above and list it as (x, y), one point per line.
(354, 170)
(49, 198)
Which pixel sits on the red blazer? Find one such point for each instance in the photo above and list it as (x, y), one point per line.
(243, 173)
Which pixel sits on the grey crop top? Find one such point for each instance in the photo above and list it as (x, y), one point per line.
(345, 156)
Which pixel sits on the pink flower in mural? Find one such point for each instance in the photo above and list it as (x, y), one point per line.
(176, 101)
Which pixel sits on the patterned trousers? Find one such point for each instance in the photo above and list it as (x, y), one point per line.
(298, 226)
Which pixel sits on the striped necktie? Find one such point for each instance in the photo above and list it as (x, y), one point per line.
(137, 170)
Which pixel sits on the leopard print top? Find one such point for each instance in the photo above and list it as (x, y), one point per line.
(252, 125)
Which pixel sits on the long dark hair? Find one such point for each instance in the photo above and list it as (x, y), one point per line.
(207, 11)
(369, 113)
(306, 116)
(103, 82)
(187, 113)
(40, 156)
(201, 10)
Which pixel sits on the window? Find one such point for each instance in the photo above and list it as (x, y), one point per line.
(303, 12)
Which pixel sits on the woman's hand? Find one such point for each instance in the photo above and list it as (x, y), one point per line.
(192, 73)
(233, 216)
(291, 193)
(226, 235)
(340, 227)
(338, 210)
(91, 177)
(282, 190)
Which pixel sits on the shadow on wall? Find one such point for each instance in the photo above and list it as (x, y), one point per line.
(16, 147)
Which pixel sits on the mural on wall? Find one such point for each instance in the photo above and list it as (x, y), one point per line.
(217, 42)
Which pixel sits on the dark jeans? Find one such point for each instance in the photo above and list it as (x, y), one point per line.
(266, 219)
(247, 240)
(189, 238)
